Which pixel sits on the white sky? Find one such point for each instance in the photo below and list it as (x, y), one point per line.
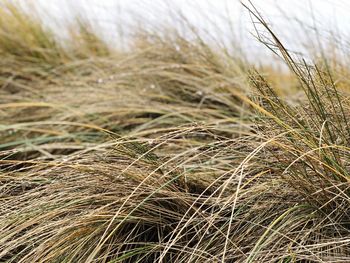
(214, 16)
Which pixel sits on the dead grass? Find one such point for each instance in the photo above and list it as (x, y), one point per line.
(171, 151)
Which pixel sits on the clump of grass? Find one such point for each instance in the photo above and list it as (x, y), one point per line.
(172, 151)
(85, 42)
(24, 39)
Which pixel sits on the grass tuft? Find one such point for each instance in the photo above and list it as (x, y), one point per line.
(173, 150)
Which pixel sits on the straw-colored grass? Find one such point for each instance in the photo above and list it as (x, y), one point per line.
(170, 151)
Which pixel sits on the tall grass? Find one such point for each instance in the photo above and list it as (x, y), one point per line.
(170, 151)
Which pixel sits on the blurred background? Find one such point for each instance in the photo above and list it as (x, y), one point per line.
(224, 21)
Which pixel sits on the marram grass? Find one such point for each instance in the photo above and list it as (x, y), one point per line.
(170, 151)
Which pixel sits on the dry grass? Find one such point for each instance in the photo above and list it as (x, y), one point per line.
(171, 151)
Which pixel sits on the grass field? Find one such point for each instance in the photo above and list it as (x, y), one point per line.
(173, 150)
